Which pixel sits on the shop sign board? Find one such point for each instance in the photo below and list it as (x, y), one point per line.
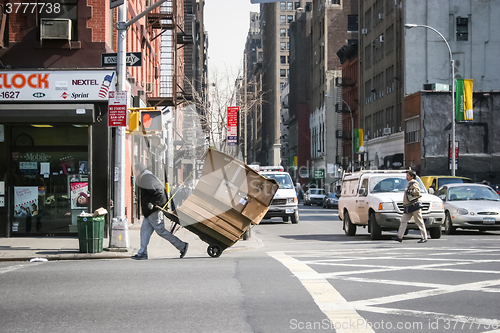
(232, 125)
(52, 85)
(117, 108)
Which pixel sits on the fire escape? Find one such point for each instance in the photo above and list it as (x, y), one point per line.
(164, 21)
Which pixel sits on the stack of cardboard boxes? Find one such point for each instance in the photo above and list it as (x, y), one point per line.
(228, 198)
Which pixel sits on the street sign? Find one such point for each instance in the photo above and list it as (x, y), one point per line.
(134, 59)
(319, 174)
(117, 109)
(232, 125)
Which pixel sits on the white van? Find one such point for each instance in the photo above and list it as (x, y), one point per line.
(285, 203)
(374, 198)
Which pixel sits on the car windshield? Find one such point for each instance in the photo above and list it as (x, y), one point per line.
(459, 193)
(391, 184)
(317, 191)
(284, 180)
(446, 181)
(332, 195)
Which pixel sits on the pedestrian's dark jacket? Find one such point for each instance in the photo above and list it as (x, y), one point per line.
(152, 191)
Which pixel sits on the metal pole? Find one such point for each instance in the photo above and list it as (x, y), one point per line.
(119, 237)
(452, 62)
(352, 136)
(453, 118)
(244, 112)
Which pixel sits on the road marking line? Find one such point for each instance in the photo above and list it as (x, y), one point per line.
(328, 299)
(10, 269)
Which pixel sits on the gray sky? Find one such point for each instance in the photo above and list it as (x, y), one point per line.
(227, 23)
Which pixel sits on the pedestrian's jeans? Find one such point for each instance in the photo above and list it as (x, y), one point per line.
(154, 222)
(417, 216)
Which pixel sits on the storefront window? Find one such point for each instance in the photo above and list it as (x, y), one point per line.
(50, 178)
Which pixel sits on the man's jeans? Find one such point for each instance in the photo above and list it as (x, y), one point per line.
(154, 222)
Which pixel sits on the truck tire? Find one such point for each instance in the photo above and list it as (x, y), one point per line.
(349, 228)
(375, 231)
(435, 232)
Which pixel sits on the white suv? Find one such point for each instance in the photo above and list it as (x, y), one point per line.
(285, 203)
(374, 198)
(314, 196)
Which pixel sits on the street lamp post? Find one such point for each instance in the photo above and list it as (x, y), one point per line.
(452, 62)
(352, 135)
(352, 131)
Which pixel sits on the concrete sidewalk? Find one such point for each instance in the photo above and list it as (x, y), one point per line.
(67, 248)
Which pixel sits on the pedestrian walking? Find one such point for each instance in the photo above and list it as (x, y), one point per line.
(412, 206)
(153, 194)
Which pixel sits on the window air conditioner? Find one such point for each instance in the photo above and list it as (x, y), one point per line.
(149, 87)
(387, 131)
(380, 16)
(381, 39)
(338, 81)
(364, 31)
(55, 28)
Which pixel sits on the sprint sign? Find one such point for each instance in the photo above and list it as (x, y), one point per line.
(117, 109)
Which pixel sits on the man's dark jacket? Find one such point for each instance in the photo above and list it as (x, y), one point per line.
(152, 191)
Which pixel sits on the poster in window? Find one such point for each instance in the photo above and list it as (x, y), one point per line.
(25, 200)
(79, 195)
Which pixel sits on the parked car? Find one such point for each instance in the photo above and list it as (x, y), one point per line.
(374, 198)
(330, 200)
(470, 206)
(432, 183)
(314, 196)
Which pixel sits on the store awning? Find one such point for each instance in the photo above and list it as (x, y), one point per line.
(47, 113)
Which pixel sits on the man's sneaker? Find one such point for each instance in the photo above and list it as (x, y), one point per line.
(184, 251)
(422, 241)
(140, 257)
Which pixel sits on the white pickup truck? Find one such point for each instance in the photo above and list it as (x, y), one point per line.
(374, 198)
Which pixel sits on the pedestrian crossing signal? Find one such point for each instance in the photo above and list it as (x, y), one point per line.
(151, 121)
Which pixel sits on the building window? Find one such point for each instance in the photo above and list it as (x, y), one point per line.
(282, 18)
(282, 32)
(462, 28)
(283, 59)
(283, 72)
(290, 18)
(283, 46)
(288, 45)
(308, 6)
(297, 4)
(352, 23)
(335, 2)
(412, 133)
(282, 5)
(289, 6)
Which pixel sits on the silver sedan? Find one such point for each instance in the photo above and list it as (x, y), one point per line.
(470, 206)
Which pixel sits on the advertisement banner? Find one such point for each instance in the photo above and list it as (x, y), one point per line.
(47, 85)
(463, 102)
(358, 140)
(232, 125)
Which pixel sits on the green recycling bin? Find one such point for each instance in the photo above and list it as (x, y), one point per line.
(90, 233)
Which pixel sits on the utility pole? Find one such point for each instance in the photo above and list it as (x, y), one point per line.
(119, 237)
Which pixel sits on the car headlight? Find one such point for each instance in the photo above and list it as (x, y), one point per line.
(291, 200)
(386, 206)
(462, 211)
(437, 206)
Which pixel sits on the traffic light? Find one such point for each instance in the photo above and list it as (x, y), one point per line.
(151, 121)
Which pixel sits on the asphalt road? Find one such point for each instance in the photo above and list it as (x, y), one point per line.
(307, 277)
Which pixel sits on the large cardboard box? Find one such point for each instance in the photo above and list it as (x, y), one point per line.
(227, 199)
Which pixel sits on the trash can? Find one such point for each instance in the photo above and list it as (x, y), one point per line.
(90, 233)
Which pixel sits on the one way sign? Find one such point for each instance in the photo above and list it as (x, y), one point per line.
(133, 59)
